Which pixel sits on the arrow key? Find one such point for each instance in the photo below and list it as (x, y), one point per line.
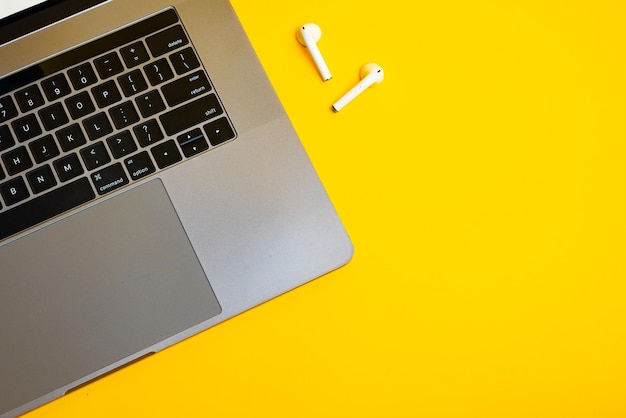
(166, 154)
(219, 131)
(193, 143)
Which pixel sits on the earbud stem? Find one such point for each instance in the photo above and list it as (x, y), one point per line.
(321, 64)
(364, 84)
(310, 34)
(317, 57)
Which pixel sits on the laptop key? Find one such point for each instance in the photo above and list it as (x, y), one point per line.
(124, 115)
(193, 143)
(56, 87)
(158, 72)
(26, 128)
(29, 98)
(219, 131)
(71, 137)
(82, 76)
(148, 133)
(44, 207)
(134, 54)
(44, 149)
(167, 40)
(186, 88)
(53, 116)
(139, 165)
(68, 167)
(106, 94)
(17, 160)
(97, 126)
(80, 105)
(7, 109)
(150, 104)
(108, 65)
(184, 61)
(191, 114)
(110, 178)
(132, 83)
(166, 154)
(121, 144)
(14, 191)
(41, 179)
(95, 156)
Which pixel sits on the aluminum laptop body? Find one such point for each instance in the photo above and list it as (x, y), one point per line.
(175, 190)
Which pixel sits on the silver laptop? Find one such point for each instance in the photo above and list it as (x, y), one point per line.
(151, 186)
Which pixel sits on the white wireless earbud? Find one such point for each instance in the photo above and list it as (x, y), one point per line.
(371, 75)
(308, 35)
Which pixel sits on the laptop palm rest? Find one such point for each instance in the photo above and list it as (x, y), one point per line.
(122, 278)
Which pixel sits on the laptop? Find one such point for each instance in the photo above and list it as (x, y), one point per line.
(151, 186)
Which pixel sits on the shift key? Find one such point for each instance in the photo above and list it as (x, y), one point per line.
(191, 114)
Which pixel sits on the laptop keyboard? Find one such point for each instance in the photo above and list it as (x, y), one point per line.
(96, 118)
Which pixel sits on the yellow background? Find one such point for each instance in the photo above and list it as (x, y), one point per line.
(483, 185)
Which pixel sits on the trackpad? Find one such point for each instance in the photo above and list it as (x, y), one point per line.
(95, 288)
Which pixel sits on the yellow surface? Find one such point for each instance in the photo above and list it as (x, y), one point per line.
(483, 185)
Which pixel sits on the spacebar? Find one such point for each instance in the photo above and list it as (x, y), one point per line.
(45, 207)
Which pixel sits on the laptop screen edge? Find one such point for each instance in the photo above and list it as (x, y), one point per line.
(41, 15)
